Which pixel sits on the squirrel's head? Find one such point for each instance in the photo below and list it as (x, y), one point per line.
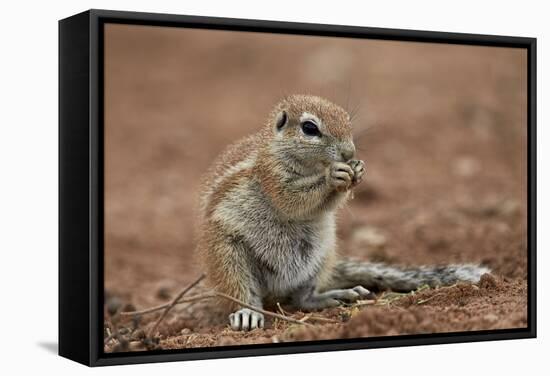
(311, 130)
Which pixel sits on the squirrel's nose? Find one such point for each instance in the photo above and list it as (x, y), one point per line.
(347, 152)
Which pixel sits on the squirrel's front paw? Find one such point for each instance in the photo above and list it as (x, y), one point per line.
(341, 176)
(246, 319)
(358, 168)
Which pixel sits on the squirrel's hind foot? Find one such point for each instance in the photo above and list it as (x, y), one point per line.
(334, 298)
(349, 295)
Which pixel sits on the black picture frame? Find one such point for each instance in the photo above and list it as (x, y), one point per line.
(81, 185)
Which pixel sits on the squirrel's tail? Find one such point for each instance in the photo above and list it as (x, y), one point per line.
(348, 273)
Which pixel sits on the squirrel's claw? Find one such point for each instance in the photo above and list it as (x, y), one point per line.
(358, 168)
(246, 319)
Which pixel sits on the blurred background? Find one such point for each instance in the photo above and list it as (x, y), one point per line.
(442, 129)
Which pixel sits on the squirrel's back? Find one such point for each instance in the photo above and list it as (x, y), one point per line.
(236, 158)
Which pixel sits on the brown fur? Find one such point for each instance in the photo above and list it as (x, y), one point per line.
(224, 273)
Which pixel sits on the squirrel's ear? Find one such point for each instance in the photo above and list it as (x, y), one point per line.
(281, 120)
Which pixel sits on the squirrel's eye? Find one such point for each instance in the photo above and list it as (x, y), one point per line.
(310, 129)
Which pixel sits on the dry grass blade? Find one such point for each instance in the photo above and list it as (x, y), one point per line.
(361, 303)
(305, 318)
(423, 301)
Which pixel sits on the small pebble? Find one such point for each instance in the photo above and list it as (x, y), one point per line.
(164, 293)
(129, 307)
(487, 281)
(370, 238)
(466, 166)
(138, 334)
(113, 305)
(136, 346)
(491, 317)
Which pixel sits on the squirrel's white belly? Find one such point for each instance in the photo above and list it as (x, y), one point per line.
(290, 255)
(284, 254)
(300, 261)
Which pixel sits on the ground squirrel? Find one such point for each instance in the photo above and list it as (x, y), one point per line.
(267, 217)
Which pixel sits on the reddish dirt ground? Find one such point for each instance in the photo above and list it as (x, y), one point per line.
(441, 128)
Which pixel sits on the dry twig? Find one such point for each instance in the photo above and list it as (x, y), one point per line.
(281, 309)
(214, 294)
(324, 319)
(174, 302)
(267, 313)
(111, 336)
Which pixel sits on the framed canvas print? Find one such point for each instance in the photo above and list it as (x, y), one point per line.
(235, 187)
